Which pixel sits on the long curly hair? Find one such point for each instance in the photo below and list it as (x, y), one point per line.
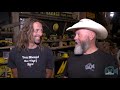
(25, 34)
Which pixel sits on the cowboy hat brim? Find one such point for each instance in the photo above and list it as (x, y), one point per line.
(101, 32)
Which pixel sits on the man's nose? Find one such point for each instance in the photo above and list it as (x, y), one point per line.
(75, 37)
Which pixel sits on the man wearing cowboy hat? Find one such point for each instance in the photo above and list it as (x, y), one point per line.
(88, 61)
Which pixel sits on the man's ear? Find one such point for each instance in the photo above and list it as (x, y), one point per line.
(91, 35)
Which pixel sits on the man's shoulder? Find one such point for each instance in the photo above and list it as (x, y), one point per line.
(14, 49)
(107, 56)
(73, 56)
(100, 52)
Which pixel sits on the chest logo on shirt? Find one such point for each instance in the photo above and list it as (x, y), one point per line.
(30, 60)
(90, 66)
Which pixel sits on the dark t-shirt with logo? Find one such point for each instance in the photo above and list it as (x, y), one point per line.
(31, 63)
(95, 65)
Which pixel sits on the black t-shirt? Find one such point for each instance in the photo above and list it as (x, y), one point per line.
(31, 63)
(95, 65)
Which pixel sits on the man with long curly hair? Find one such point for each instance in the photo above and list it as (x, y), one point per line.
(29, 59)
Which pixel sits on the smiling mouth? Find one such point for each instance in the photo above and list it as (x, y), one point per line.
(37, 37)
(77, 43)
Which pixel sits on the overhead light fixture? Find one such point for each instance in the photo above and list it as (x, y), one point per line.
(111, 14)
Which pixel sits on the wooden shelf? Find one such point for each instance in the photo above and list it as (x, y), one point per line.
(4, 33)
(55, 48)
(3, 64)
(6, 47)
(58, 40)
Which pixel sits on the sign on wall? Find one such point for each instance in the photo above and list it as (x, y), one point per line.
(5, 72)
(57, 14)
(90, 15)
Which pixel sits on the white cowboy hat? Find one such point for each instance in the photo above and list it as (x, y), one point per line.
(101, 32)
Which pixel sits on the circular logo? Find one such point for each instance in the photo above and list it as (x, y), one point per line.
(55, 27)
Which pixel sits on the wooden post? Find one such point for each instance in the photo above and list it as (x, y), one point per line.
(15, 19)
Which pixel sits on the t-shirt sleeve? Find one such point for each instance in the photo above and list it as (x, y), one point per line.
(50, 59)
(11, 60)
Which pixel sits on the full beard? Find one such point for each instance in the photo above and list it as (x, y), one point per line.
(78, 50)
(81, 48)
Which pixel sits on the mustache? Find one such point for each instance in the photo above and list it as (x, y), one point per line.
(37, 36)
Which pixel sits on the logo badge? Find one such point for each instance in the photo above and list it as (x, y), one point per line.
(90, 66)
(110, 70)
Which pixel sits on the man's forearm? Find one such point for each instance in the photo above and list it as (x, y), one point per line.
(15, 73)
(49, 73)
